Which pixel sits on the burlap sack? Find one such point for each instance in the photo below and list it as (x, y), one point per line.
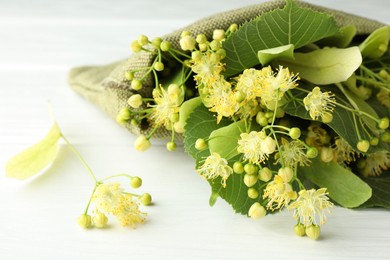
(107, 87)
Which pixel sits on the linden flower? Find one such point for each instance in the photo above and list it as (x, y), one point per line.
(127, 211)
(279, 192)
(207, 69)
(317, 136)
(375, 164)
(215, 166)
(292, 153)
(248, 83)
(222, 99)
(319, 104)
(166, 106)
(256, 146)
(106, 196)
(310, 207)
(343, 151)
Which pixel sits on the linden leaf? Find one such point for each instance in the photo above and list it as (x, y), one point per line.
(344, 187)
(380, 186)
(268, 55)
(290, 25)
(325, 66)
(224, 140)
(35, 158)
(342, 39)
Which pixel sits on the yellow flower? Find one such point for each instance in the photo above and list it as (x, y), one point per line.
(256, 146)
(279, 192)
(207, 69)
(215, 166)
(222, 99)
(310, 207)
(292, 153)
(248, 83)
(166, 105)
(127, 211)
(106, 197)
(375, 164)
(319, 104)
(343, 151)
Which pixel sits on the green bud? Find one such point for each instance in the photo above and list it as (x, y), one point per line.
(129, 75)
(202, 46)
(269, 114)
(257, 211)
(261, 119)
(384, 74)
(221, 53)
(295, 133)
(158, 66)
(215, 45)
(327, 154)
(184, 34)
(312, 152)
(125, 113)
(146, 199)
(135, 46)
(363, 145)
(265, 174)
(250, 180)
(327, 117)
(239, 96)
(136, 84)
(100, 220)
(171, 146)
(374, 141)
(233, 27)
(143, 40)
(300, 230)
(313, 231)
(196, 55)
(383, 123)
(136, 182)
(84, 220)
(385, 137)
(165, 46)
(142, 143)
(201, 38)
(218, 34)
(134, 122)
(250, 168)
(156, 42)
(238, 167)
(253, 193)
(187, 43)
(135, 101)
(200, 144)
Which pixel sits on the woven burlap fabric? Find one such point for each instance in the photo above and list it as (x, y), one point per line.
(107, 87)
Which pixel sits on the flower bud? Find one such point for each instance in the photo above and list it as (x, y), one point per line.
(363, 145)
(385, 137)
(326, 117)
(312, 152)
(129, 75)
(125, 113)
(146, 199)
(142, 143)
(374, 141)
(221, 53)
(265, 174)
(219, 34)
(184, 34)
(239, 96)
(135, 46)
(250, 180)
(268, 145)
(202, 46)
(136, 182)
(313, 231)
(136, 84)
(196, 55)
(215, 45)
(165, 46)
(261, 119)
(238, 167)
(158, 66)
(295, 133)
(135, 101)
(143, 40)
(201, 38)
(257, 211)
(200, 144)
(171, 146)
(250, 168)
(327, 154)
(84, 220)
(233, 27)
(253, 193)
(187, 43)
(383, 123)
(286, 173)
(300, 230)
(156, 42)
(100, 220)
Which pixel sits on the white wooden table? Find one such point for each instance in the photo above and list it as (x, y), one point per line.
(39, 42)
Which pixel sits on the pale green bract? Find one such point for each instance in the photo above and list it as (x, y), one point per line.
(268, 55)
(35, 158)
(325, 66)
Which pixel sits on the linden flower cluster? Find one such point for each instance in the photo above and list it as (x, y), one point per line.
(110, 198)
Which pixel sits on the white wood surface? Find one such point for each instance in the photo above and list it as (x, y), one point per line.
(39, 41)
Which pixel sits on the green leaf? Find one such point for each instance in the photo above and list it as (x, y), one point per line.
(325, 66)
(376, 44)
(344, 187)
(187, 108)
(342, 39)
(35, 158)
(200, 124)
(380, 191)
(268, 55)
(290, 25)
(224, 140)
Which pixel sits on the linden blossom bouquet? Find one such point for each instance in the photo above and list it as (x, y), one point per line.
(282, 105)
